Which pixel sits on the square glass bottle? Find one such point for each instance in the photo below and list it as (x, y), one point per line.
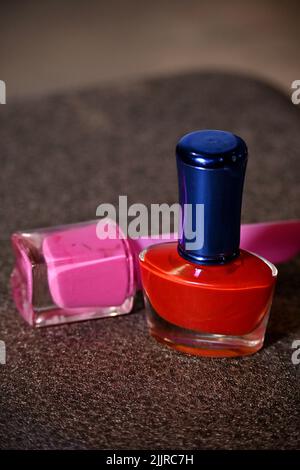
(67, 273)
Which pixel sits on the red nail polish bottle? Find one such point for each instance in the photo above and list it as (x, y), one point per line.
(204, 295)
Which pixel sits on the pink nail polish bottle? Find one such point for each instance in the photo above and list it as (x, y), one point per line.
(66, 273)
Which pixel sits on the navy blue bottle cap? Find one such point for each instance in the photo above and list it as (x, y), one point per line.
(211, 169)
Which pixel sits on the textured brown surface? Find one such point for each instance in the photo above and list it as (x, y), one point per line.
(106, 384)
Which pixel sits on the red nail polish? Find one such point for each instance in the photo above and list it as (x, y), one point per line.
(211, 298)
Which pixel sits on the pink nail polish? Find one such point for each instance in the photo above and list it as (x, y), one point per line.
(67, 273)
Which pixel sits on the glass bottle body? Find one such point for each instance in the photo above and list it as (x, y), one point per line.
(219, 310)
(68, 273)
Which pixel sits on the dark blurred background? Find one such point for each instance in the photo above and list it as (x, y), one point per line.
(53, 45)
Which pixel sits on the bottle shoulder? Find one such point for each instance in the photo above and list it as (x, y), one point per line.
(246, 271)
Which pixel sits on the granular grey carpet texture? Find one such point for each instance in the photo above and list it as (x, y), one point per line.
(106, 384)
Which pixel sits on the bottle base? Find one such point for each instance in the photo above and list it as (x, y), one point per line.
(204, 344)
(48, 314)
(53, 316)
